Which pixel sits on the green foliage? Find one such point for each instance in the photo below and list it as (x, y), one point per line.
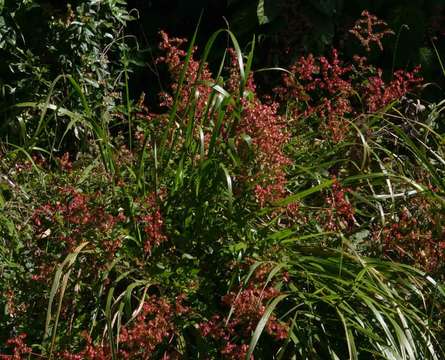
(221, 224)
(41, 40)
(372, 302)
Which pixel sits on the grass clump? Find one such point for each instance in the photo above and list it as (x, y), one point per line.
(227, 222)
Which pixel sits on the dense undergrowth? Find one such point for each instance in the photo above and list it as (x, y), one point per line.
(302, 222)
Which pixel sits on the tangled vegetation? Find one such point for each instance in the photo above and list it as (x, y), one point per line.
(228, 219)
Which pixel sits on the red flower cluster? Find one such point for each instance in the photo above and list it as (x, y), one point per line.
(267, 130)
(19, 348)
(340, 213)
(377, 94)
(65, 163)
(70, 219)
(233, 81)
(174, 59)
(152, 327)
(217, 330)
(326, 89)
(152, 222)
(248, 306)
(259, 121)
(77, 213)
(311, 74)
(365, 30)
(268, 133)
(416, 237)
(321, 87)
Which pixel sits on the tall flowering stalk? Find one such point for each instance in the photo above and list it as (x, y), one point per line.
(174, 59)
(328, 90)
(370, 29)
(259, 121)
